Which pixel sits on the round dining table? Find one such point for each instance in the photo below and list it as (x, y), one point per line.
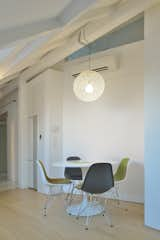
(85, 208)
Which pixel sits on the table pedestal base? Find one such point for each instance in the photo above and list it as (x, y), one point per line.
(85, 208)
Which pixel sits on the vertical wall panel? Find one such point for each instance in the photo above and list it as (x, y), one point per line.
(152, 117)
(3, 149)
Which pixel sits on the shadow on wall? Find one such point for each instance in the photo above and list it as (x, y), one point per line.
(132, 188)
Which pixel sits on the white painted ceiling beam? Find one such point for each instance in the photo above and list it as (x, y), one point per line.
(8, 88)
(100, 21)
(9, 81)
(72, 11)
(94, 30)
(16, 33)
(26, 58)
(28, 55)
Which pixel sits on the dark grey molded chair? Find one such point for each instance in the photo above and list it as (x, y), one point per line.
(74, 174)
(99, 179)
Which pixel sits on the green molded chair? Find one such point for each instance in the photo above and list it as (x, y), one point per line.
(50, 183)
(121, 170)
(120, 175)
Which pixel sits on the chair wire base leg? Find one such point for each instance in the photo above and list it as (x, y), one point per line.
(46, 203)
(71, 195)
(69, 192)
(108, 218)
(88, 219)
(82, 207)
(45, 206)
(118, 197)
(117, 193)
(48, 198)
(107, 215)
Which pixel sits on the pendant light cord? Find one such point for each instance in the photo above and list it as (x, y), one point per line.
(83, 40)
(90, 52)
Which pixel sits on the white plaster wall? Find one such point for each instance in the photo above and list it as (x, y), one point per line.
(7, 105)
(44, 99)
(111, 127)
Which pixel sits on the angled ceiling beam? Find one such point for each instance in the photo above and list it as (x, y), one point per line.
(26, 58)
(94, 30)
(42, 43)
(16, 33)
(72, 11)
(117, 15)
(9, 81)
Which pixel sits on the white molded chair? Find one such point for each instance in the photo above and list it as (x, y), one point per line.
(50, 183)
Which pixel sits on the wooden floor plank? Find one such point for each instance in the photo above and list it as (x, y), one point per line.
(21, 219)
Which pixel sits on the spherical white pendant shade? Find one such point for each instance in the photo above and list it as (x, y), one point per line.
(88, 86)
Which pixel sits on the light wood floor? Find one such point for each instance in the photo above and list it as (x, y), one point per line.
(21, 219)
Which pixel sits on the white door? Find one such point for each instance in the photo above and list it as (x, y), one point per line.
(32, 151)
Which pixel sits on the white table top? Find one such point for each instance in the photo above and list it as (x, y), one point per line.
(80, 163)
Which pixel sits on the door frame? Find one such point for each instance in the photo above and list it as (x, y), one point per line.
(30, 120)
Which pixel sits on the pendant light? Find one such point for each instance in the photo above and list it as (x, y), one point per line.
(89, 85)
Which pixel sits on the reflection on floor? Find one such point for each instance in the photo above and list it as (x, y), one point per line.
(3, 178)
(6, 184)
(21, 219)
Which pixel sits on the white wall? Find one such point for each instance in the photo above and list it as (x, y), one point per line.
(112, 127)
(152, 117)
(7, 105)
(43, 97)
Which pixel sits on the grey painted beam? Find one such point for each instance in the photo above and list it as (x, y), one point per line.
(130, 32)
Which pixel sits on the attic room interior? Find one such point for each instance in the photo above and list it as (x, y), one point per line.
(79, 119)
